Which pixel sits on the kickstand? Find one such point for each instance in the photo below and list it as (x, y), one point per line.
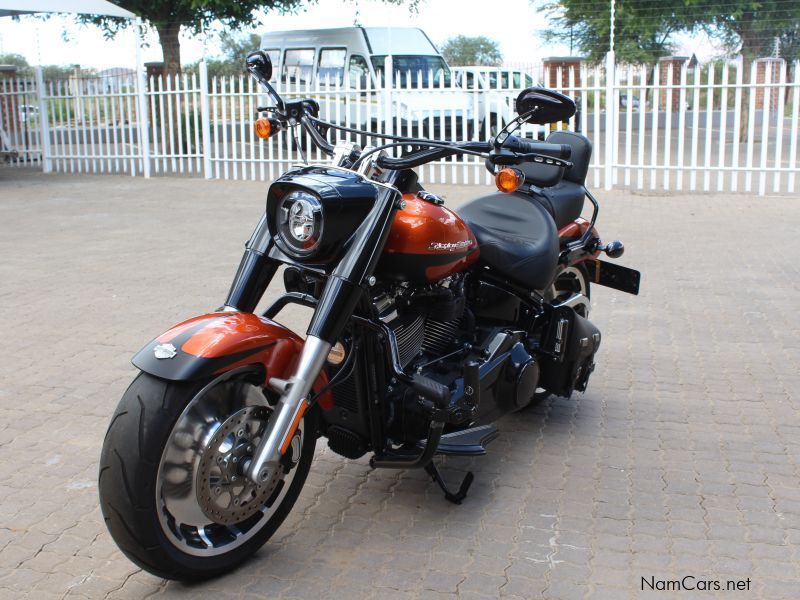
(456, 498)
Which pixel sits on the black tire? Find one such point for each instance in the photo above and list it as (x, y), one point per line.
(129, 466)
(539, 397)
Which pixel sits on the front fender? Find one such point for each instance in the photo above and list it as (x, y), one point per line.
(217, 342)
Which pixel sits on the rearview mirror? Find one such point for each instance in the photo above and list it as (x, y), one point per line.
(260, 64)
(544, 106)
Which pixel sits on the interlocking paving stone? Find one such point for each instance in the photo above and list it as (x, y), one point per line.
(681, 459)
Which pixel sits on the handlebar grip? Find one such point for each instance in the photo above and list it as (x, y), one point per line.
(562, 151)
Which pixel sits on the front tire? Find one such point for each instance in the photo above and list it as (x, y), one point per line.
(168, 463)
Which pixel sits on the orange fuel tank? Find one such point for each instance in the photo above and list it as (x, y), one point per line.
(427, 242)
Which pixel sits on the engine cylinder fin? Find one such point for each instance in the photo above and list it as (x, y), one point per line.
(439, 335)
(409, 336)
(346, 393)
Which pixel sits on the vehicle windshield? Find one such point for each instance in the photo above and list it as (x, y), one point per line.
(416, 71)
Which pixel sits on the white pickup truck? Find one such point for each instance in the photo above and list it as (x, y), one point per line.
(350, 63)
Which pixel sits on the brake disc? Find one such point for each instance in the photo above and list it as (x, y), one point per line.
(225, 494)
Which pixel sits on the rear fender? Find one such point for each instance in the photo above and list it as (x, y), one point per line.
(574, 231)
(218, 342)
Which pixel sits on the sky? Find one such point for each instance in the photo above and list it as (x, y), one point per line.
(516, 25)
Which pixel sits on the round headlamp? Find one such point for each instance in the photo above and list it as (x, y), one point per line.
(300, 222)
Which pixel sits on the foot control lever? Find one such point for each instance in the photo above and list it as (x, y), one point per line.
(455, 498)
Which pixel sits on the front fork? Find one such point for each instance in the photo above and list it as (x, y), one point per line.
(335, 307)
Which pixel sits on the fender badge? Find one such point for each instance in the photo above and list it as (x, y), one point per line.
(165, 351)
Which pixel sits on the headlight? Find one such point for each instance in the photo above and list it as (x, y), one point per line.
(300, 222)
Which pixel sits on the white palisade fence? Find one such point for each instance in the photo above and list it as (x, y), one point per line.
(683, 128)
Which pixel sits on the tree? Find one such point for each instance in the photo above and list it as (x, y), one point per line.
(169, 17)
(234, 50)
(462, 50)
(25, 70)
(643, 28)
(749, 27)
(789, 42)
(641, 33)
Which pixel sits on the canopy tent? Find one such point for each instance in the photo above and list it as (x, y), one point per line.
(86, 7)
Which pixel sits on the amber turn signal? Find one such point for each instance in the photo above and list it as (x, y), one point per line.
(263, 128)
(508, 180)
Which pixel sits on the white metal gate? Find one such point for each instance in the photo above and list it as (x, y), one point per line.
(711, 128)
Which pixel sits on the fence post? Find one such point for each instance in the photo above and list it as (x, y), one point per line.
(141, 103)
(205, 120)
(611, 120)
(388, 83)
(44, 123)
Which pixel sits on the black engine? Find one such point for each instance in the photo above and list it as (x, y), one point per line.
(515, 345)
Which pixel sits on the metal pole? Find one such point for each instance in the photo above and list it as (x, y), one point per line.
(388, 84)
(613, 16)
(141, 96)
(611, 107)
(44, 123)
(205, 120)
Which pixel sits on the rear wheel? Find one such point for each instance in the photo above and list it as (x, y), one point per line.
(172, 486)
(572, 280)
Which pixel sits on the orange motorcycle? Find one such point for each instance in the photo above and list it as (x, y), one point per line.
(427, 327)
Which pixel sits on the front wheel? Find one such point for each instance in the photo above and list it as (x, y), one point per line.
(172, 486)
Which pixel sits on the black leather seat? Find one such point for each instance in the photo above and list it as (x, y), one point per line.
(516, 236)
(564, 201)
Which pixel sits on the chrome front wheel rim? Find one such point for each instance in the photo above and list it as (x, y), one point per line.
(206, 505)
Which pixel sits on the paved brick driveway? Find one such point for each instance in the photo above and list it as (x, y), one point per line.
(682, 459)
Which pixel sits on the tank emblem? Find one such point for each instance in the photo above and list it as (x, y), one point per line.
(450, 246)
(165, 351)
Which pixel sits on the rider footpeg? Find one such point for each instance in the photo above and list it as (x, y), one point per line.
(457, 497)
(436, 392)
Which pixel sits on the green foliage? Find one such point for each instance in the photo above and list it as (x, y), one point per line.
(13, 59)
(169, 17)
(463, 50)
(641, 33)
(193, 15)
(790, 42)
(644, 28)
(49, 72)
(749, 27)
(234, 50)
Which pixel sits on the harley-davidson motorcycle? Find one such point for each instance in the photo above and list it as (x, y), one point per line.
(427, 327)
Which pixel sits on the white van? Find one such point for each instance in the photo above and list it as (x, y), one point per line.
(355, 57)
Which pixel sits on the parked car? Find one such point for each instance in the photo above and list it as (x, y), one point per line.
(356, 57)
(498, 86)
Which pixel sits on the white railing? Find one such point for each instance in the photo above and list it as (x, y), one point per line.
(20, 125)
(712, 128)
